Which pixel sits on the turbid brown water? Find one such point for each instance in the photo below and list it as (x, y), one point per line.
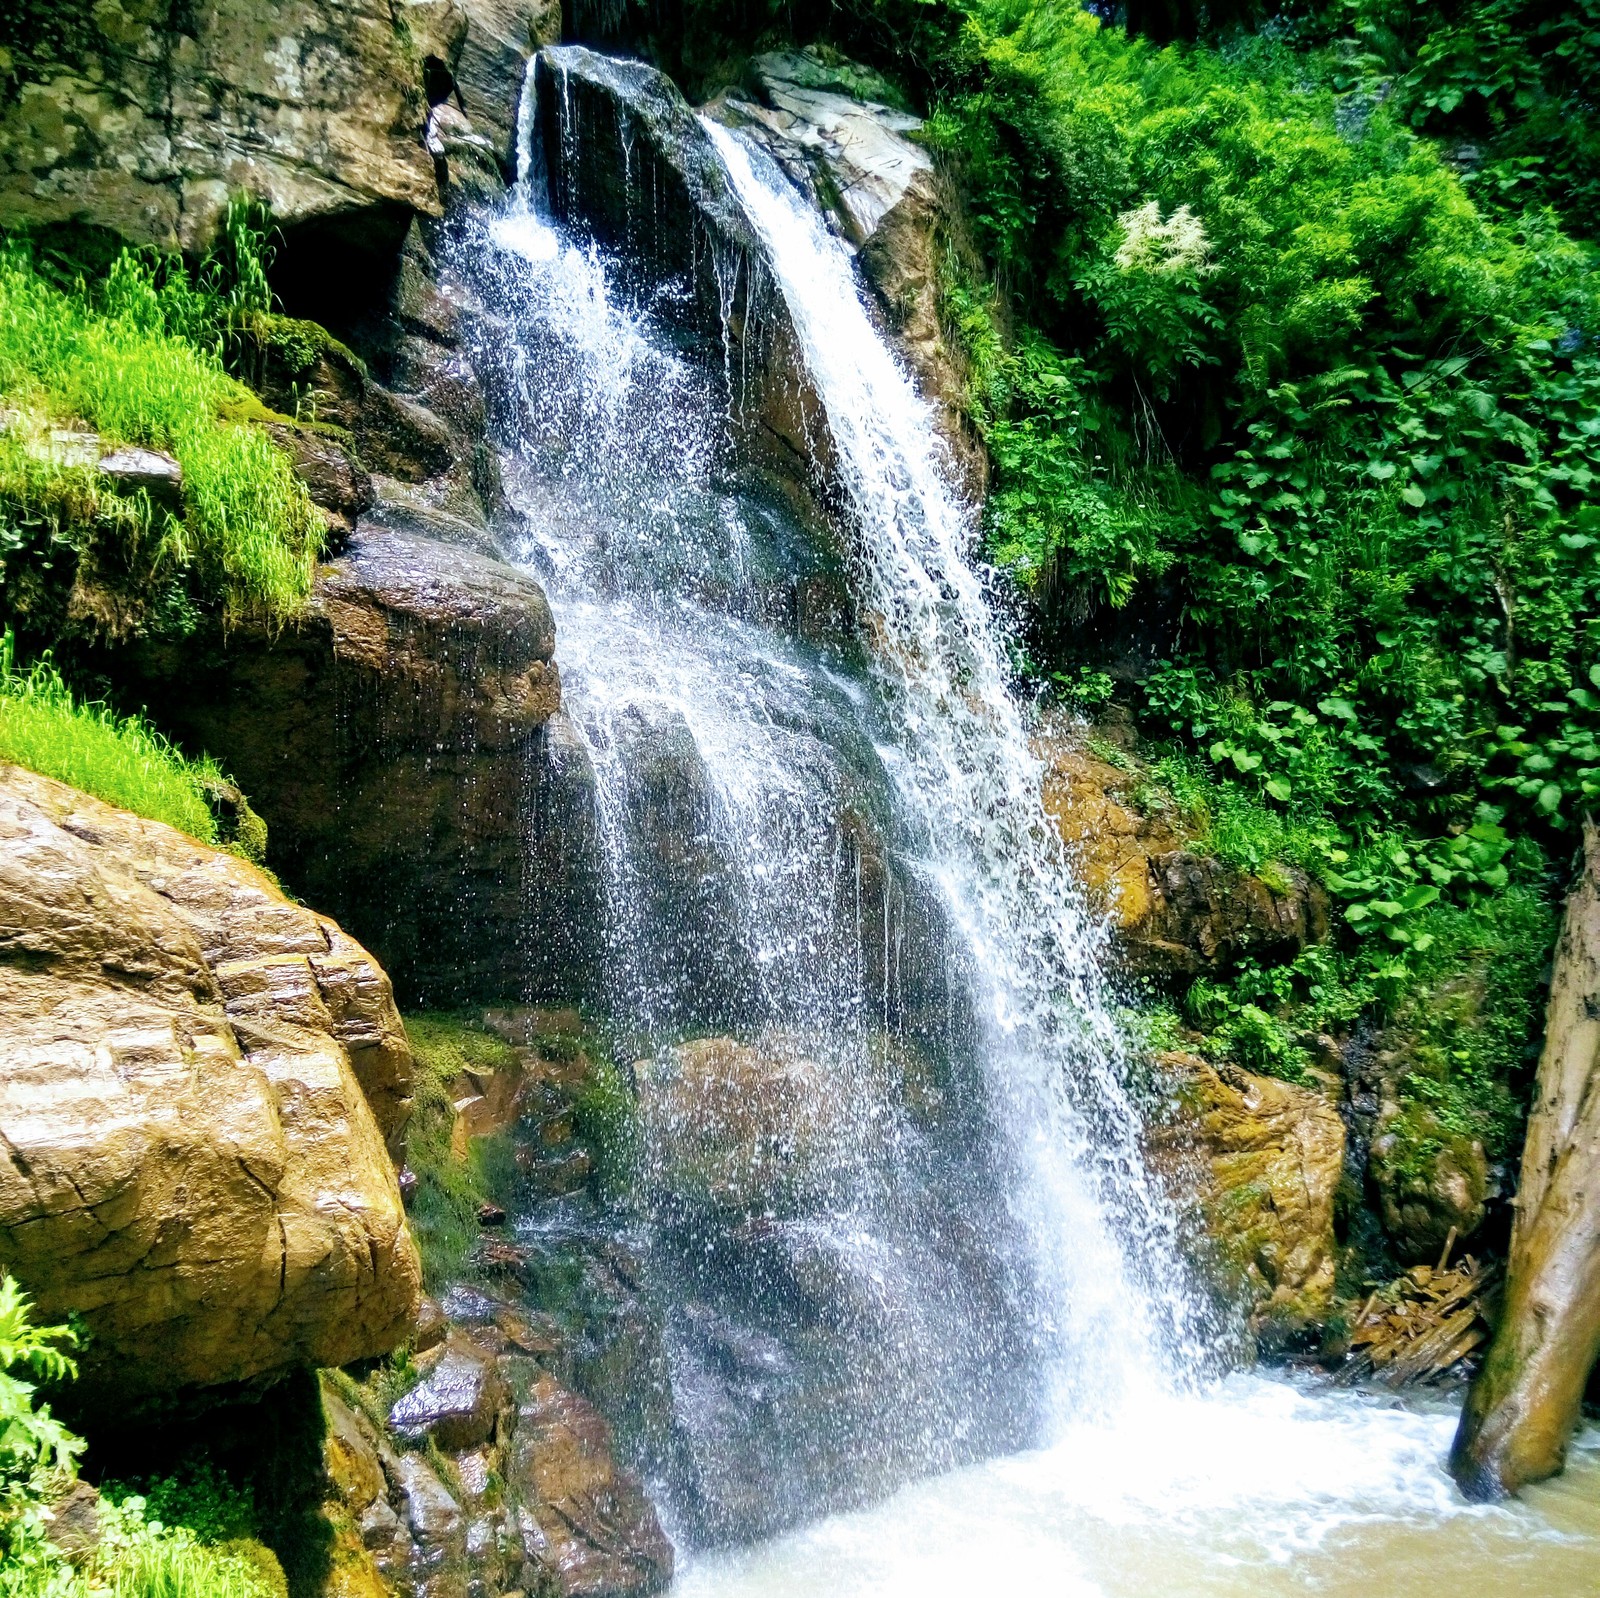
(1256, 1490)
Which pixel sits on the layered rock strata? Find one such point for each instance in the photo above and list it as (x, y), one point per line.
(197, 1081)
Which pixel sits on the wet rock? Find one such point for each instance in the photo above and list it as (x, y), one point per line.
(587, 1524)
(770, 1127)
(394, 742)
(431, 1515)
(122, 118)
(196, 1080)
(825, 121)
(1263, 1160)
(1178, 913)
(467, 164)
(146, 471)
(501, 35)
(335, 480)
(456, 1403)
(1432, 1183)
(616, 132)
(432, 1325)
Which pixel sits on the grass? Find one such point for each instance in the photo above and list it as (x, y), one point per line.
(120, 759)
(134, 360)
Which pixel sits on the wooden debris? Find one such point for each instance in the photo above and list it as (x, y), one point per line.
(1419, 1327)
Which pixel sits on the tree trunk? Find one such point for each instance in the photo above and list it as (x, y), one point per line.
(1526, 1401)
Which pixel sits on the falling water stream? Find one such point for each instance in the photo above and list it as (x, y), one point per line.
(960, 1353)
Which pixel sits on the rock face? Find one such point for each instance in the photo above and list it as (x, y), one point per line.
(1432, 1183)
(537, 1501)
(823, 121)
(1177, 913)
(396, 742)
(146, 118)
(197, 1078)
(630, 163)
(1263, 1158)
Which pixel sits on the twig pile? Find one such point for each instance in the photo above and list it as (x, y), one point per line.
(1419, 1327)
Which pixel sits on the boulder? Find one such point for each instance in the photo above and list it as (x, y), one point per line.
(145, 120)
(825, 121)
(1262, 1159)
(501, 36)
(630, 163)
(456, 1403)
(197, 1077)
(587, 1524)
(774, 1127)
(1177, 912)
(395, 740)
(1433, 1183)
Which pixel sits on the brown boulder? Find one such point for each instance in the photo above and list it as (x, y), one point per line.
(395, 741)
(1262, 1159)
(120, 115)
(196, 1080)
(589, 1526)
(1177, 912)
(1432, 1183)
(456, 1403)
(772, 1127)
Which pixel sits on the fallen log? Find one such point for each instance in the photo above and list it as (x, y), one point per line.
(1526, 1400)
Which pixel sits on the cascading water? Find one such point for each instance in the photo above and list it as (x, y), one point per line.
(1103, 1242)
(890, 1211)
(815, 1200)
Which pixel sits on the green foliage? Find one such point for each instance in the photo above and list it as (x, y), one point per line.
(1511, 84)
(141, 1557)
(36, 1450)
(189, 1539)
(138, 358)
(120, 759)
(1275, 360)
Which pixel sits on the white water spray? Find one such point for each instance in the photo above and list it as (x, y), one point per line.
(1111, 1287)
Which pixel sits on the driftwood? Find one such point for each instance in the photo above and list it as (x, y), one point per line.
(1526, 1400)
(1419, 1328)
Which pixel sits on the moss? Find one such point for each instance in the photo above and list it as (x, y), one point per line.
(120, 759)
(451, 1186)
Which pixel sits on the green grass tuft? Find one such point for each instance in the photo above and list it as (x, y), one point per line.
(137, 360)
(120, 759)
(444, 1209)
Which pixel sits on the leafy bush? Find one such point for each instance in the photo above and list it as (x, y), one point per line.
(138, 1556)
(35, 1448)
(120, 759)
(137, 357)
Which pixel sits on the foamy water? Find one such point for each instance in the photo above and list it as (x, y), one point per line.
(1257, 1487)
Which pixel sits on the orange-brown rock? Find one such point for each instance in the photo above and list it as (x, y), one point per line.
(1262, 1159)
(596, 1532)
(196, 1080)
(1178, 912)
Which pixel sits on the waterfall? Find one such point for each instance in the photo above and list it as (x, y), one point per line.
(1102, 1237)
(890, 1211)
